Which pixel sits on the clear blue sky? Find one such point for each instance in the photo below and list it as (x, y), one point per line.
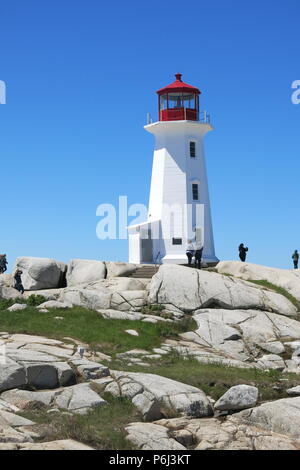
(81, 76)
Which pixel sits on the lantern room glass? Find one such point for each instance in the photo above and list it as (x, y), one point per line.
(178, 100)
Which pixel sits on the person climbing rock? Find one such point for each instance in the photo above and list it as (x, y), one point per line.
(295, 258)
(243, 252)
(18, 281)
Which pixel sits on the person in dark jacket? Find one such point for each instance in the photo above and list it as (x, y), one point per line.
(3, 264)
(243, 252)
(198, 254)
(18, 281)
(190, 251)
(295, 258)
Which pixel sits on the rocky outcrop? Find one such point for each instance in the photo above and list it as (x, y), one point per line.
(208, 434)
(288, 279)
(155, 396)
(40, 273)
(280, 416)
(151, 437)
(39, 363)
(78, 398)
(189, 289)
(41, 373)
(246, 335)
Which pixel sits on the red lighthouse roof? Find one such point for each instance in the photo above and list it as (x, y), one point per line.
(179, 86)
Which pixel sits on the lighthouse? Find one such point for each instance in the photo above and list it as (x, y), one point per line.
(179, 206)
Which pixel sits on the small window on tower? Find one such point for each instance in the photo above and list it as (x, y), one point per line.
(195, 192)
(192, 149)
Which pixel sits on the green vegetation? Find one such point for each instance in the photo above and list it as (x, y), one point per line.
(6, 303)
(32, 301)
(35, 300)
(107, 336)
(216, 379)
(102, 428)
(279, 290)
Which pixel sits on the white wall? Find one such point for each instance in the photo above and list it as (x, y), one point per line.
(173, 173)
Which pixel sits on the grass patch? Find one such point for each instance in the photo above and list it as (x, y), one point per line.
(279, 290)
(105, 335)
(102, 428)
(216, 379)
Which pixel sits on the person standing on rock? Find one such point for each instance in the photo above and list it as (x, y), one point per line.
(3, 264)
(190, 251)
(198, 254)
(18, 281)
(295, 258)
(243, 252)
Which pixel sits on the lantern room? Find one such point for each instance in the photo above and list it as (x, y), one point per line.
(178, 101)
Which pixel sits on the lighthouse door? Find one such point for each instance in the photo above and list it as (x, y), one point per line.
(147, 246)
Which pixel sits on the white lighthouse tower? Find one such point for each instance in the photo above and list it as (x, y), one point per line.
(179, 207)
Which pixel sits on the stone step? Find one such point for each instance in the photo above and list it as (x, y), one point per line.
(146, 272)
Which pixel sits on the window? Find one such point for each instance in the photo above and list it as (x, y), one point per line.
(177, 241)
(175, 100)
(164, 102)
(195, 192)
(192, 149)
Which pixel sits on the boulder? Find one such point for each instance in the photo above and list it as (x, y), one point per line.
(41, 376)
(88, 298)
(288, 279)
(25, 399)
(88, 369)
(189, 289)
(155, 396)
(280, 416)
(239, 397)
(16, 307)
(129, 300)
(12, 375)
(9, 293)
(40, 273)
(117, 269)
(294, 391)
(271, 361)
(53, 304)
(14, 420)
(148, 436)
(78, 398)
(6, 280)
(81, 271)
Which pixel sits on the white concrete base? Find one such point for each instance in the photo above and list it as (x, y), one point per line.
(174, 259)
